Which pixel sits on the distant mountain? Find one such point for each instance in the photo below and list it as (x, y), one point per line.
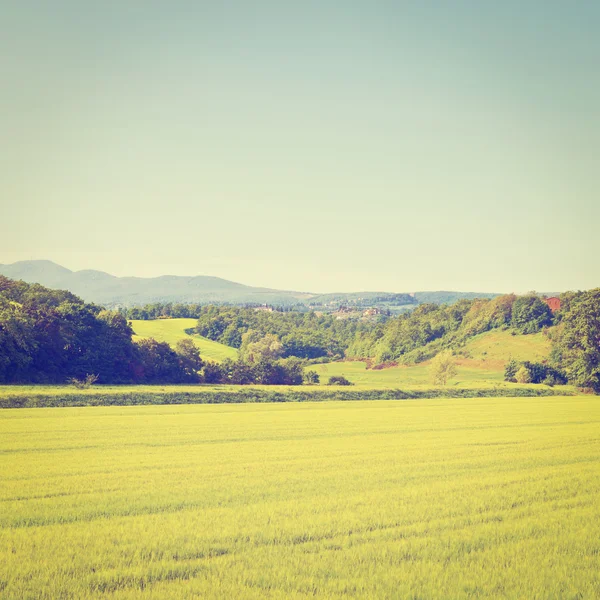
(103, 288)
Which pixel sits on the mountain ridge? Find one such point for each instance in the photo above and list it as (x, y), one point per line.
(104, 288)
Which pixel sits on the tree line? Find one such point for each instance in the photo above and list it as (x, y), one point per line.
(50, 336)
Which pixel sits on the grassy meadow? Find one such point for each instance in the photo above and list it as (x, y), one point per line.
(173, 330)
(494, 498)
(469, 374)
(496, 347)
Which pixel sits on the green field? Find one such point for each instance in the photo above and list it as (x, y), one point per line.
(173, 330)
(494, 498)
(470, 374)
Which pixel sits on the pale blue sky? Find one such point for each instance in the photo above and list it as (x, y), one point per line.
(324, 146)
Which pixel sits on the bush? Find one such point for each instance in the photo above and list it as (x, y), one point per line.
(443, 368)
(33, 399)
(212, 373)
(339, 380)
(311, 378)
(539, 373)
(510, 371)
(83, 384)
(523, 375)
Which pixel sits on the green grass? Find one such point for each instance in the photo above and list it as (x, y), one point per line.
(173, 330)
(492, 498)
(482, 363)
(470, 374)
(499, 346)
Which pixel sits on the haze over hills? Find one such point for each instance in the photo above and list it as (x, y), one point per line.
(103, 288)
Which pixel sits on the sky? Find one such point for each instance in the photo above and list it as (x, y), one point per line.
(317, 146)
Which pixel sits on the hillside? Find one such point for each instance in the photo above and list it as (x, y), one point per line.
(105, 289)
(480, 363)
(173, 330)
(501, 345)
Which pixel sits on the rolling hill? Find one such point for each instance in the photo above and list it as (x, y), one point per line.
(108, 290)
(173, 330)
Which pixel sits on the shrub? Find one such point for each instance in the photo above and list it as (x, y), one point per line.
(311, 378)
(510, 371)
(83, 384)
(339, 380)
(443, 367)
(523, 375)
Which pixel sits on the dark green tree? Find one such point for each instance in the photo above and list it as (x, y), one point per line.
(576, 343)
(530, 314)
(189, 358)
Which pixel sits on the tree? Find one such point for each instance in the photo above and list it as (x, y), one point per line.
(523, 375)
(576, 343)
(189, 358)
(266, 348)
(339, 380)
(159, 362)
(212, 373)
(530, 314)
(510, 370)
(311, 378)
(443, 367)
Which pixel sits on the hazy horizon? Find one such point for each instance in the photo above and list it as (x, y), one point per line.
(357, 289)
(338, 147)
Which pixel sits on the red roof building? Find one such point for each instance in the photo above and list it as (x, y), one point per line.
(553, 303)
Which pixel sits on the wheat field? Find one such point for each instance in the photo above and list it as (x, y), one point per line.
(477, 498)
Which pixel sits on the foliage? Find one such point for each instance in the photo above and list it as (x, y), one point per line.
(523, 375)
(137, 395)
(510, 370)
(256, 348)
(576, 341)
(302, 334)
(530, 314)
(533, 372)
(263, 371)
(85, 383)
(311, 377)
(421, 334)
(189, 358)
(338, 380)
(443, 367)
(159, 363)
(49, 336)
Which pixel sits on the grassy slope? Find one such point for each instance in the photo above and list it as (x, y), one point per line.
(499, 346)
(469, 375)
(173, 330)
(486, 355)
(429, 499)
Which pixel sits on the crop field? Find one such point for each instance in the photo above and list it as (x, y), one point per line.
(479, 498)
(173, 330)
